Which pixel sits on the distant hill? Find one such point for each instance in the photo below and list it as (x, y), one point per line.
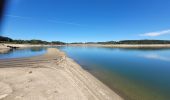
(5, 39)
(34, 41)
(136, 42)
(144, 42)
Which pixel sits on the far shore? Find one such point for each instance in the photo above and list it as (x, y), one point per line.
(52, 76)
(125, 45)
(5, 47)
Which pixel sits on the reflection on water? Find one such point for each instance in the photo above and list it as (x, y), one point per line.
(146, 49)
(156, 56)
(136, 74)
(27, 52)
(36, 49)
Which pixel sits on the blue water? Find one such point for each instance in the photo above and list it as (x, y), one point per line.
(136, 74)
(19, 53)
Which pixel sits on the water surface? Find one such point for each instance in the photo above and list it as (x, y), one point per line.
(19, 53)
(136, 74)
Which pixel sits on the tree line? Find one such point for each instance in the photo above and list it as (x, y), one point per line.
(34, 41)
(128, 42)
(142, 42)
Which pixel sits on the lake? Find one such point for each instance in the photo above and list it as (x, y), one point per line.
(135, 74)
(18, 53)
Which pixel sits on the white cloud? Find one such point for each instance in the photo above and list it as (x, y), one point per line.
(154, 34)
(14, 16)
(51, 21)
(61, 22)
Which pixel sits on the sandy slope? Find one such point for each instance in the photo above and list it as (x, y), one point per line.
(52, 76)
(3, 48)
(25, 45)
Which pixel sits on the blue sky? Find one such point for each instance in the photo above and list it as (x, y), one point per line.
(87, 20)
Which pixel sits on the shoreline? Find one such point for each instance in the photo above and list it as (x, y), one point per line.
(52, 76)
(125, 45)
(4, 45)
(4, 48)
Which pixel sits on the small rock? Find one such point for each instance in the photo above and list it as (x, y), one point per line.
(30, 72)
(56, 91)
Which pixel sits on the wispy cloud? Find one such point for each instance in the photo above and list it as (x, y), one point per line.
(62, 22)
(156, 56)
(48, 20)
(14, 16)
(154, 34)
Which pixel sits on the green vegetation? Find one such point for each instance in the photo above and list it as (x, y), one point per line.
(5, 39)
(108, 42)
(57, 42)
(77, 43)
(133, 42)
(144, 42)
(34, 41)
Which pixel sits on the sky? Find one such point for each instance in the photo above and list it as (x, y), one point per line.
(87, 20)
